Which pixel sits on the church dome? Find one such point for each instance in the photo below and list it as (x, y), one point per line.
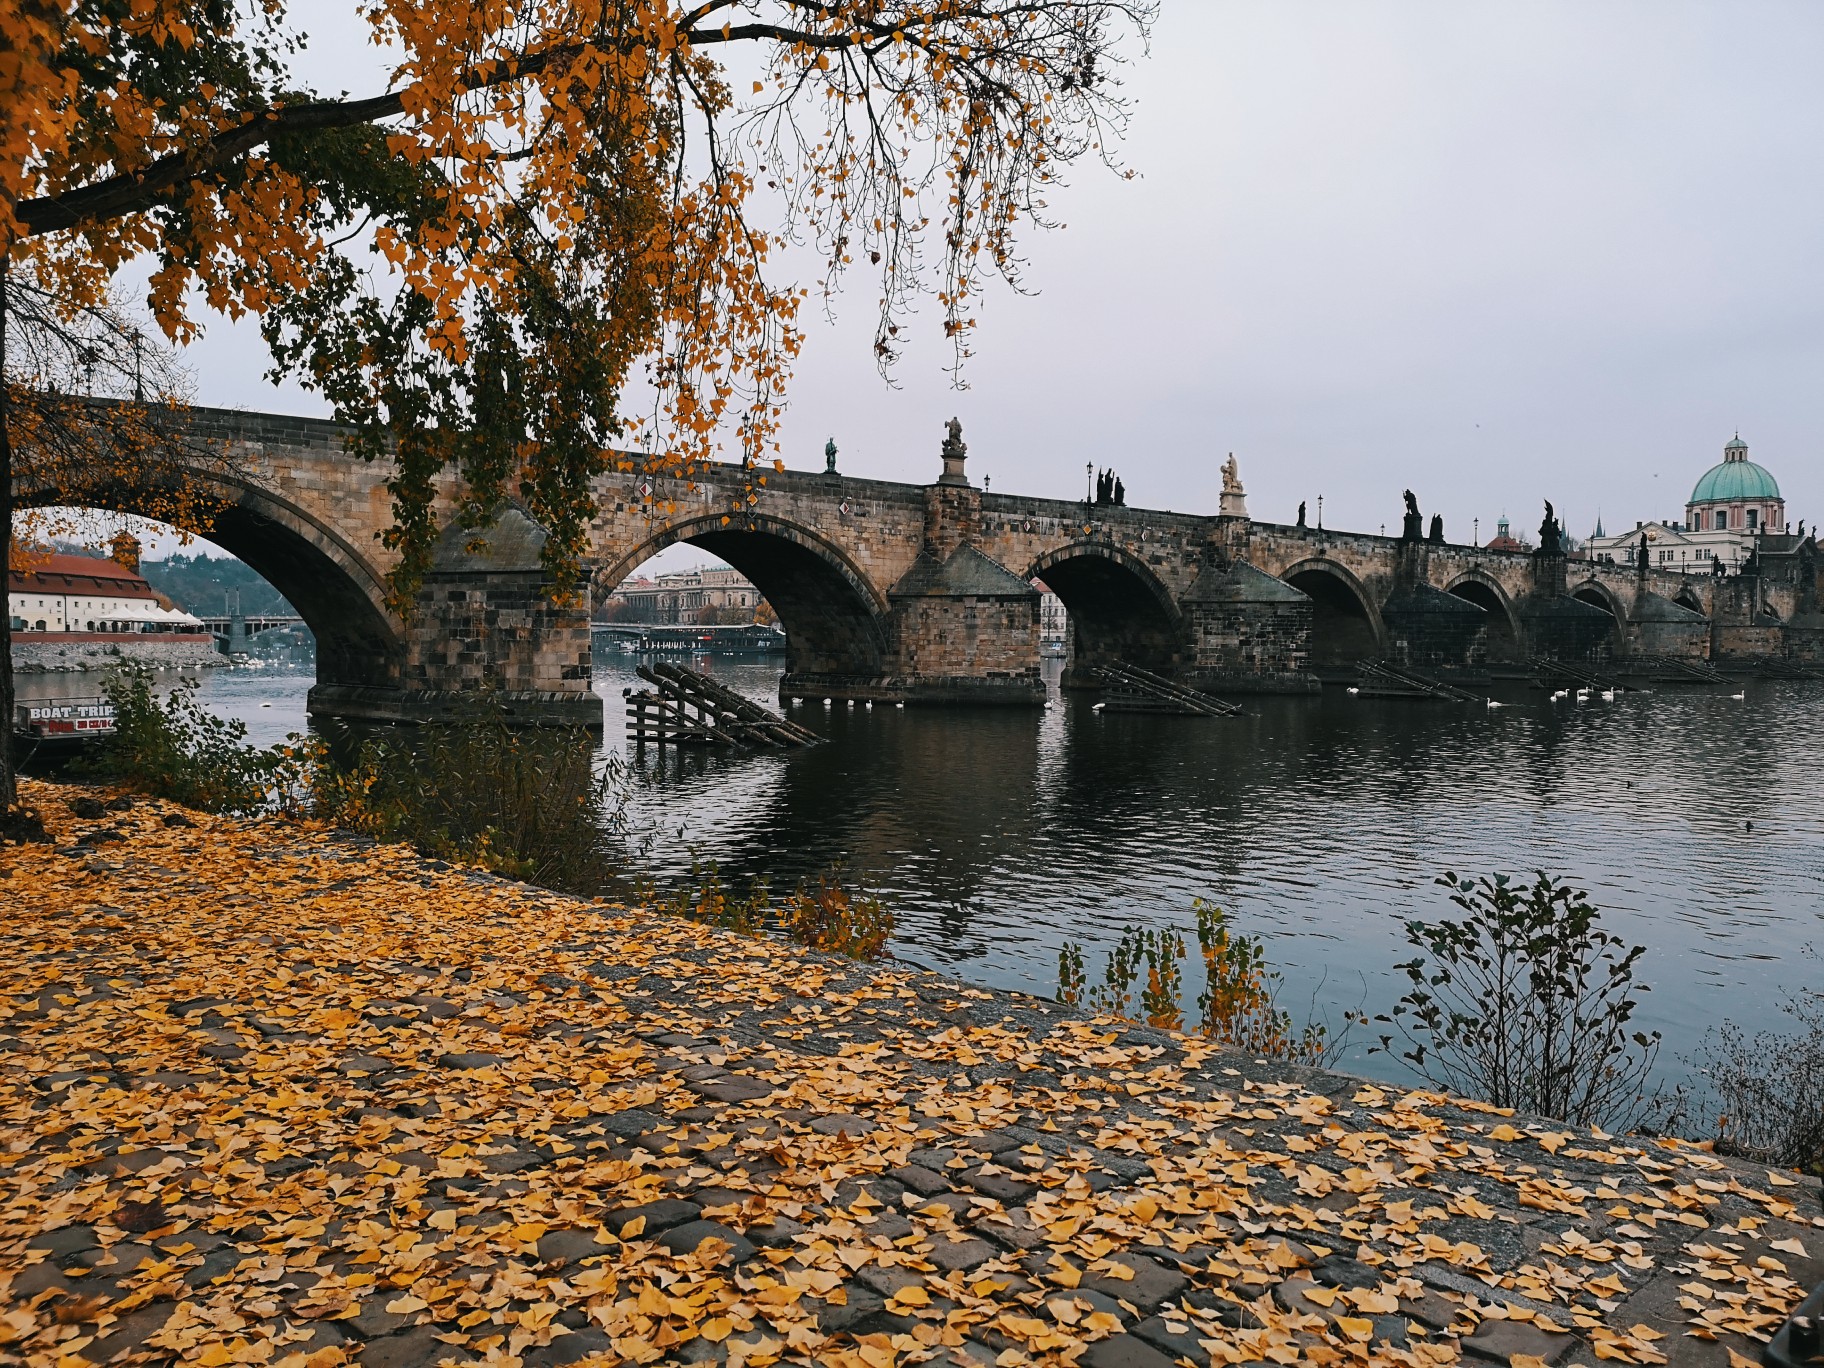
(1736, 477)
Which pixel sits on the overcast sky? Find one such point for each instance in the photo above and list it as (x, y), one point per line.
(1493, 252)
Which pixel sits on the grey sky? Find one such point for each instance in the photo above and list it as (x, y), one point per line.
(1495, 252)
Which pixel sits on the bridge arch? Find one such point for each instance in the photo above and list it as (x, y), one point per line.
(1346, 624)
(1687, 598)
(1119, 609)
(1598, 595)
(338, 593)
(835, 619)
(1485, 591)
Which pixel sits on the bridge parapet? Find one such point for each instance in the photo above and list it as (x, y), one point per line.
(922, 591)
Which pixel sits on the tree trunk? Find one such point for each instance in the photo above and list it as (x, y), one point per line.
(9, 787)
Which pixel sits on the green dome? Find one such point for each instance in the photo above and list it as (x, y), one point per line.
(1737, 478)
(1732, 480)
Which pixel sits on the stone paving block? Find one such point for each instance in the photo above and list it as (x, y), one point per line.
(1002, 1187)
(777, 1233)
(660, 1215)
(887, 1281)
(570, 1348)
(920, 1179)
(1151, 1285)
(64, 1240)
(418, 1348)
(957, 1203)
(1123, 1351)
(685, 1239)
(1174, 1337)
(1431, 1310)
(38, 1278)
(956, 1256)
(854, 1126)
(1501, 1340)
(861, 1302)
(567, 1246)
(1015, 1230)
(469, 1059)
(131, 1330)
(731, 1089)
(375, 1321)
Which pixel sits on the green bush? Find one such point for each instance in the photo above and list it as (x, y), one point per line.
(527, 802)
(174, 748)
(1759, 1097)
(1525, 1003)
(1143, 980)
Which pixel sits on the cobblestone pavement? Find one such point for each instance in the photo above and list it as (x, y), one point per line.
(270, 1096)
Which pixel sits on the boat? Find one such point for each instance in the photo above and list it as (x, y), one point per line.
(60, 722)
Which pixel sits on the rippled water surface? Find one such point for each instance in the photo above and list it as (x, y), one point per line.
(1696, 820)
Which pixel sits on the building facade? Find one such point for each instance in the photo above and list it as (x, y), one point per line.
(1733, 506)
(64, 594)
(688, 597)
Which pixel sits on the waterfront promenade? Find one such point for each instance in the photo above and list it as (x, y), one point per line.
(270, 1096)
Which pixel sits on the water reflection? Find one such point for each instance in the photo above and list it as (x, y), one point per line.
(1695, 819)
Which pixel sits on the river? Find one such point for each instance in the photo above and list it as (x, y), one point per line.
(1695, 819)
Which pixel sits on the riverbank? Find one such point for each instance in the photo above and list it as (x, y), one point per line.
(79, 652)
(273, 1096)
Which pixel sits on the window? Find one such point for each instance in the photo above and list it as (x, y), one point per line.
(1722, 518)
(1754, 517)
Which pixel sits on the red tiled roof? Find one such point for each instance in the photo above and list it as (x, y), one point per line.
(66, 574)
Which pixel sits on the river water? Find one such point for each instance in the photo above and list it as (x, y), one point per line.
(1695, 819)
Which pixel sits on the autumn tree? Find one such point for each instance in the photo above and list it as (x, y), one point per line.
(551, 199)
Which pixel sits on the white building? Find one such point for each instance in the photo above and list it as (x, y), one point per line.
(706, 594)
(88, 596)
(1054, 622)
(1731, 505)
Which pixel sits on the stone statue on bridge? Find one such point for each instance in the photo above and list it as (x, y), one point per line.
(1301, 512)
(954, 450)
(1437, 530)
(1414, 529)
(1551, 533)
(1234, 502)
(829, 457)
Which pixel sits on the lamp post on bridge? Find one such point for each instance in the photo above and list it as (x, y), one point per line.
(1089, 483)
(1320, 512)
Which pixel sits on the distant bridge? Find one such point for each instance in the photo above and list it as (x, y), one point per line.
(251, 624)
(923, 593)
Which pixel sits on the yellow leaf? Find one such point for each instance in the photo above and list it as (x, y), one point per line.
(634, 1228)
(1504, 1132)
(1792, 1247)
(443, 1220)
(1358, 1328)
(401, 1306)
(912, 1295)
(717, 1330)
(529, 1232)
(1525, 1361)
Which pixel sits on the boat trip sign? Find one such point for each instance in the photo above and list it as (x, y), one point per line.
(65, 718)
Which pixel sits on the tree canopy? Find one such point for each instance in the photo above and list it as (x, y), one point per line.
(551, 205)
(551, 199)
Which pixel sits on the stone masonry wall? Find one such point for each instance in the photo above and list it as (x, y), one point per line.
(44, 657)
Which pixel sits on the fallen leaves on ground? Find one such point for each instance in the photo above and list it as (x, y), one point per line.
(271, 1096)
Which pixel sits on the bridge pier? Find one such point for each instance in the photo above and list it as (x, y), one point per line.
(485, 634)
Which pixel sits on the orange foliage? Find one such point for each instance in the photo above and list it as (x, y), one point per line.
(556, 193)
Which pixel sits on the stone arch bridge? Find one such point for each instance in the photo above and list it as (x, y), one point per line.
(923, 593)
